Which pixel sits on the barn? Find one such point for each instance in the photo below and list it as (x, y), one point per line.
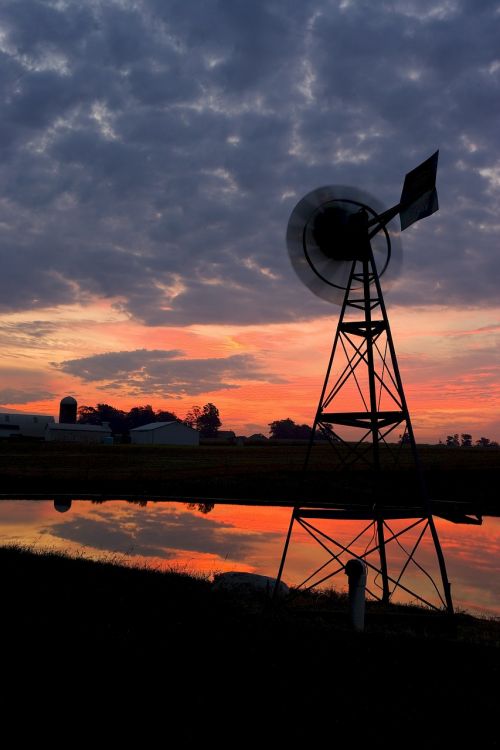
(165, 433)
(24, 425)
(77, 433)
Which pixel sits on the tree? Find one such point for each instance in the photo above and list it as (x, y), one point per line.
(485, 442)
(466, 440)
(282, 429)
(302, 432)
(140, 415)
(452, 441)
(116, 418)
(191, 418)
(166, 416)
(201, 507)
(208, 422)
(87, 415)
(286, 429)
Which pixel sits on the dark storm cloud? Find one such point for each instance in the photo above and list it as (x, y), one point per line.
(153, 151)
(164, 373)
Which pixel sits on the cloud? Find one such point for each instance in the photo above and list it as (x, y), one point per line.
(37, 334)
(165, 373)
(16, 396)
(23, 385)
(157, 532)
(153, 154)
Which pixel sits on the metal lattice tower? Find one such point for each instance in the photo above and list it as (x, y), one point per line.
(363, 372)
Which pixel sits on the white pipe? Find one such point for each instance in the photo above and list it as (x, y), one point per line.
(355, 571)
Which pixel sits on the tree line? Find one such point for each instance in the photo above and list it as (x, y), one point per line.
(287, 429)
(464, 440)
(205, 419)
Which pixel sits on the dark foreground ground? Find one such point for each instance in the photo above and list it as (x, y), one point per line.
(268, 473)
(109, 654)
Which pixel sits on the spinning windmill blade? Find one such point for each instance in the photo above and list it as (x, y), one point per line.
(328, 230)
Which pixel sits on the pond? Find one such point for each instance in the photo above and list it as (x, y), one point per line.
(186, 537)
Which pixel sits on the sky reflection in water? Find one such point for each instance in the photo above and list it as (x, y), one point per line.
(232, 537)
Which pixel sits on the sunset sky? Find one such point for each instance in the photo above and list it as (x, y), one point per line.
(152, 151)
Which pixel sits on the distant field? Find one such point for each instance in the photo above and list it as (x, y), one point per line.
(270, 472)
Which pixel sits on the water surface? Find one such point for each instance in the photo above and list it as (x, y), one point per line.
(247, 538)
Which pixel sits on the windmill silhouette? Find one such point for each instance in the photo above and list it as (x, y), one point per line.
(340, 246)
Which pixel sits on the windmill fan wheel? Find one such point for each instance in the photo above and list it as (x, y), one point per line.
(328, 232)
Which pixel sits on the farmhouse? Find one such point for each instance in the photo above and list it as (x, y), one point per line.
(77, 433)
(24, 425)
(165, 433)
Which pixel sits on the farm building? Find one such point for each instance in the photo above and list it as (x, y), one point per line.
(165, 433)
(24, 425)
(77, 433)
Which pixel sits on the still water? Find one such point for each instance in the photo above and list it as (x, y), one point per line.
(166, 535)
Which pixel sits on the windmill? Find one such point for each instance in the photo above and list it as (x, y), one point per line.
(340, 246)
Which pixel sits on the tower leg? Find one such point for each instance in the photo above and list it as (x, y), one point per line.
(383, 561)
(283, 556)
(442, 566)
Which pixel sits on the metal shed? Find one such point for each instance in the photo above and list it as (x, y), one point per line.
(77, 433)
(26, 425)
(165, 433)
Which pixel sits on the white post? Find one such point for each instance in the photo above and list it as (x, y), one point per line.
(355, 571)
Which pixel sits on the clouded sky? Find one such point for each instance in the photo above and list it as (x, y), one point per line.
(152, 152)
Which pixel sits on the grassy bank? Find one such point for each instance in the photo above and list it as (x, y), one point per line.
(266, 472)
(212, 667)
